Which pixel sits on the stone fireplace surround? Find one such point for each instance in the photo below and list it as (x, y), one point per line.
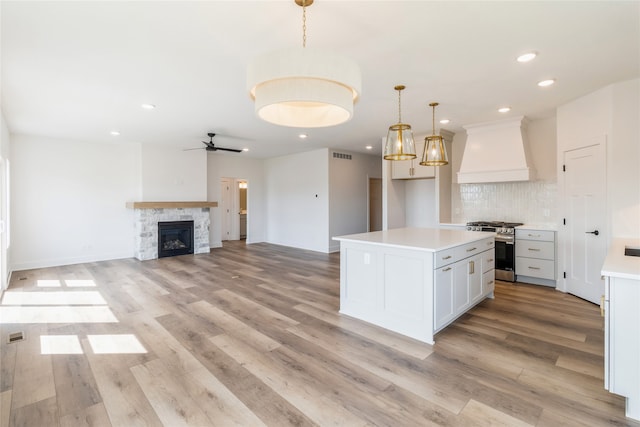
(148, 214)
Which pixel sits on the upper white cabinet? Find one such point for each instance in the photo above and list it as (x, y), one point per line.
(536, 256)
(411, 169)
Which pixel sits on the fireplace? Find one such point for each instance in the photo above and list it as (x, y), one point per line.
(175, 238)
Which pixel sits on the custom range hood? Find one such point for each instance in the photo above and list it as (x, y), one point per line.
(496, 152)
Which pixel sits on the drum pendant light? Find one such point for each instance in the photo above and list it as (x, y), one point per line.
(399, 144)
(435, 153)
(303, 87)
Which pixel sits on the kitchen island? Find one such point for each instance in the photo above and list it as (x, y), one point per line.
(621, 310)
(415, 281)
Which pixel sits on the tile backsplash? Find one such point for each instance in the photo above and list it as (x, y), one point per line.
(527, 202)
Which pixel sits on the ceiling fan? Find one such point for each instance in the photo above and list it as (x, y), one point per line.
(210, 146)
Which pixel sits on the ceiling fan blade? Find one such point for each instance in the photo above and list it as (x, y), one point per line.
(191, 149)
(234, 150)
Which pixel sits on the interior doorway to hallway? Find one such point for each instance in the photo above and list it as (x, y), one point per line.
(234, 208)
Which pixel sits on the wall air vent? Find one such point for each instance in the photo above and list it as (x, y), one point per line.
(341, 156)
(15, 337)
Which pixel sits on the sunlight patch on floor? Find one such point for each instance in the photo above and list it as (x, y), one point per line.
(58, 314)
(53, 298)
(115, 344)
(60, 344)
(49, 284)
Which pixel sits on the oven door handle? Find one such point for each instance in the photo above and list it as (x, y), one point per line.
(506, 240)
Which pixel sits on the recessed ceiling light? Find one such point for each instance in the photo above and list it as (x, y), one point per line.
(115, 133)
(245, 149)
(545, 83)
(369, 147)
(445, 121)
(526, 57)
(504, 109)
(148, 106)
(303, 136)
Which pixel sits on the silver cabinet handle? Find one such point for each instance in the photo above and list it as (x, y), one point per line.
(490, 260)
(534, 249)
(447, 269)
(533, 235)
(534, 268)
(472, 267)
(471, 249)
(446, 257)
(490, 283)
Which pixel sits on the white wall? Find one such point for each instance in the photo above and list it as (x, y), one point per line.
(5, 249)
(68, 201)
(236, 166)
(170, 174)
(612, 111)
(624, 160)
(420, 203)
(348, 193)
(298, 200)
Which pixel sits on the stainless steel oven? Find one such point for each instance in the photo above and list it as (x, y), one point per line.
(505, 246)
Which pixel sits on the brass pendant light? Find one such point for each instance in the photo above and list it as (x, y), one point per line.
(435, 153)
(399, 144)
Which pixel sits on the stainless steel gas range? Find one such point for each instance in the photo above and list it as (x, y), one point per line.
(505, 246)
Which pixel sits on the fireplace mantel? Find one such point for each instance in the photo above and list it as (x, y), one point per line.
(170, 205)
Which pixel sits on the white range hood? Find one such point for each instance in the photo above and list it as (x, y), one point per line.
(496, 152)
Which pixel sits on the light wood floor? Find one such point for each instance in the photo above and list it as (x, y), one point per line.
(250, 336)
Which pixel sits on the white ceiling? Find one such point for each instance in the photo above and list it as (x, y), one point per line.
(77, 70)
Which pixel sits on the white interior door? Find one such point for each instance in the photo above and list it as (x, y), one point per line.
(586, 240)
(225, 209)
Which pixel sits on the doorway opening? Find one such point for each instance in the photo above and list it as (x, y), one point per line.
(234, 209)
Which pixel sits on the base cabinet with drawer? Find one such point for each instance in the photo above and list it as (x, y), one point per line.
(536, 256)
(464, 278)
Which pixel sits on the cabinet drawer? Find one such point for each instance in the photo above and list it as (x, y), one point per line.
(544, 235)
(470, 249)
(488, 260)
(535, 249)
(541, 268)
(488, 282)
(445, 257)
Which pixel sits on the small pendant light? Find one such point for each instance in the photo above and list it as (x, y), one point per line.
(399, 144)
(435, 153)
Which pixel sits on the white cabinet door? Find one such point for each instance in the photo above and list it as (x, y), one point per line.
(443, 298)
(411, 169)
(401, 169)
(474, 277)
(460, 286)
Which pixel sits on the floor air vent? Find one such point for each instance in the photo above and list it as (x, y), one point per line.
(15, 337)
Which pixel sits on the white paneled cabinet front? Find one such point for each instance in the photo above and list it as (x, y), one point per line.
(536, 256)
(462, 284)
(407, 288)
(411, 169)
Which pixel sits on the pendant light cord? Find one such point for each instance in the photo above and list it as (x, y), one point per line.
(304, 23)
(399, 106)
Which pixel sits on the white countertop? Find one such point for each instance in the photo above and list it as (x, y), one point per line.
(616, 264)
(424, 239)
(547, 227)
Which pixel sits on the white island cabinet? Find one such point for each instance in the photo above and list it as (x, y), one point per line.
(621, 310)
(415, 281)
